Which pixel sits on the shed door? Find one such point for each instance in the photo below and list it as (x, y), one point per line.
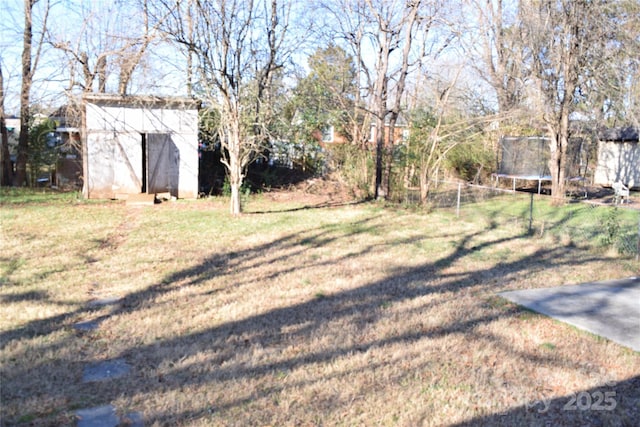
(162, 164)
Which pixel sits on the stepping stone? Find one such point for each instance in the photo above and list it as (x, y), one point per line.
(89, 325)
(105, 416)
(100, 416)
(142, 199)
(107, 370)
(103, 301)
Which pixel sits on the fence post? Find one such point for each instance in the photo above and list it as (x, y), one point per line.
(458, 201)
(531, 214)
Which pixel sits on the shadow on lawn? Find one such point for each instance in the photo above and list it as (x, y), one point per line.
(323, 205)
(360, 306)
(608, 404)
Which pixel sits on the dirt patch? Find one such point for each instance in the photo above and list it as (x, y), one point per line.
(315, 191)
(605, 196)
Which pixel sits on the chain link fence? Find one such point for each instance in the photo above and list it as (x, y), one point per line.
(594, 221)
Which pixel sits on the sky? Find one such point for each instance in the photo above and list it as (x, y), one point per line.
(65, 23)
(11, 28)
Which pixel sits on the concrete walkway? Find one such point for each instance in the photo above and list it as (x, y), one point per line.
(610, 309)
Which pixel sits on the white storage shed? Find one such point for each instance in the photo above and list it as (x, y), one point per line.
(618, 157)
(139, 144)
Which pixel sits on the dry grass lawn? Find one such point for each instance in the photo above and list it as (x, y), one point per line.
(347, 315)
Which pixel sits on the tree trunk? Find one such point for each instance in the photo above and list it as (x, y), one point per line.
(424, 188)
(560, 140)
(234, 164)
(388, 152)
(557, 166)
(6, 174)
(7, 169)
(379, 190)
(235, 182)
(235, 207)
(409, 21)
(20, 178)
(380, 102)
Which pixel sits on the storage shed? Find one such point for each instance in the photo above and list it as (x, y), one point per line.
(139, 144)
(618, 157)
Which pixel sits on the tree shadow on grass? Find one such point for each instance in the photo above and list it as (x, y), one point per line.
(229, 263)
(222, 345)
(608, 404)
(323, 205)
(25, 296)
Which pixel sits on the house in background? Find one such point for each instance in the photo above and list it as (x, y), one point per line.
(618, 157)
(13, 132)
(330, 135)
(68, 168)
(139, 144)
(42, 166)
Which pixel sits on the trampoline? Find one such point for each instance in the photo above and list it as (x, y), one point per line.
(527, 159)
(514, 178)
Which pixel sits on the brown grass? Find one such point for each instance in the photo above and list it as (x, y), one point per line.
(349, 315)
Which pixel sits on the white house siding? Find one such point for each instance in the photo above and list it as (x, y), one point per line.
(114, 129)
(618, 161)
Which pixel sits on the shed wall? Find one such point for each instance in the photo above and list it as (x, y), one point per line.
(618, 161)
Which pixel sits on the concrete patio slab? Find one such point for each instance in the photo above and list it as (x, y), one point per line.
(610, 309)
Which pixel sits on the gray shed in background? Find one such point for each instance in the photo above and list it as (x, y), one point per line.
(618, 157)
(137, 144)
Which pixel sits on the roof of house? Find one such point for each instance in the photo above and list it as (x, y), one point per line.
(619, 134)
(67, 116)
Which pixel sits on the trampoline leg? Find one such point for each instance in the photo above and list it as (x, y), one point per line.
(539, 185)
(514, 184)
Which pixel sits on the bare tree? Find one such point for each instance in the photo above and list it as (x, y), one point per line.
(348, 26)
(395, 25)
(133, 52)
(441, 122)
(239, 46)
(388, 39)
(617, 77)
(570, 41)
(109, 45)
(30, 60)
(498, 54)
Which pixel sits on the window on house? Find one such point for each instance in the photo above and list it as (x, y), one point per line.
(405, 135)
(327, 134)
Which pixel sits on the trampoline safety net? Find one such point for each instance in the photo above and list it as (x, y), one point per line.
(529, 156)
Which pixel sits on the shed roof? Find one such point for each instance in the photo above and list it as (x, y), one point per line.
(619, 134)
(142, 100)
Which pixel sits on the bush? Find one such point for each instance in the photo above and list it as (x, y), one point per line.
(43, 150)
(354, 166)
(245, 188)
(470, 161)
